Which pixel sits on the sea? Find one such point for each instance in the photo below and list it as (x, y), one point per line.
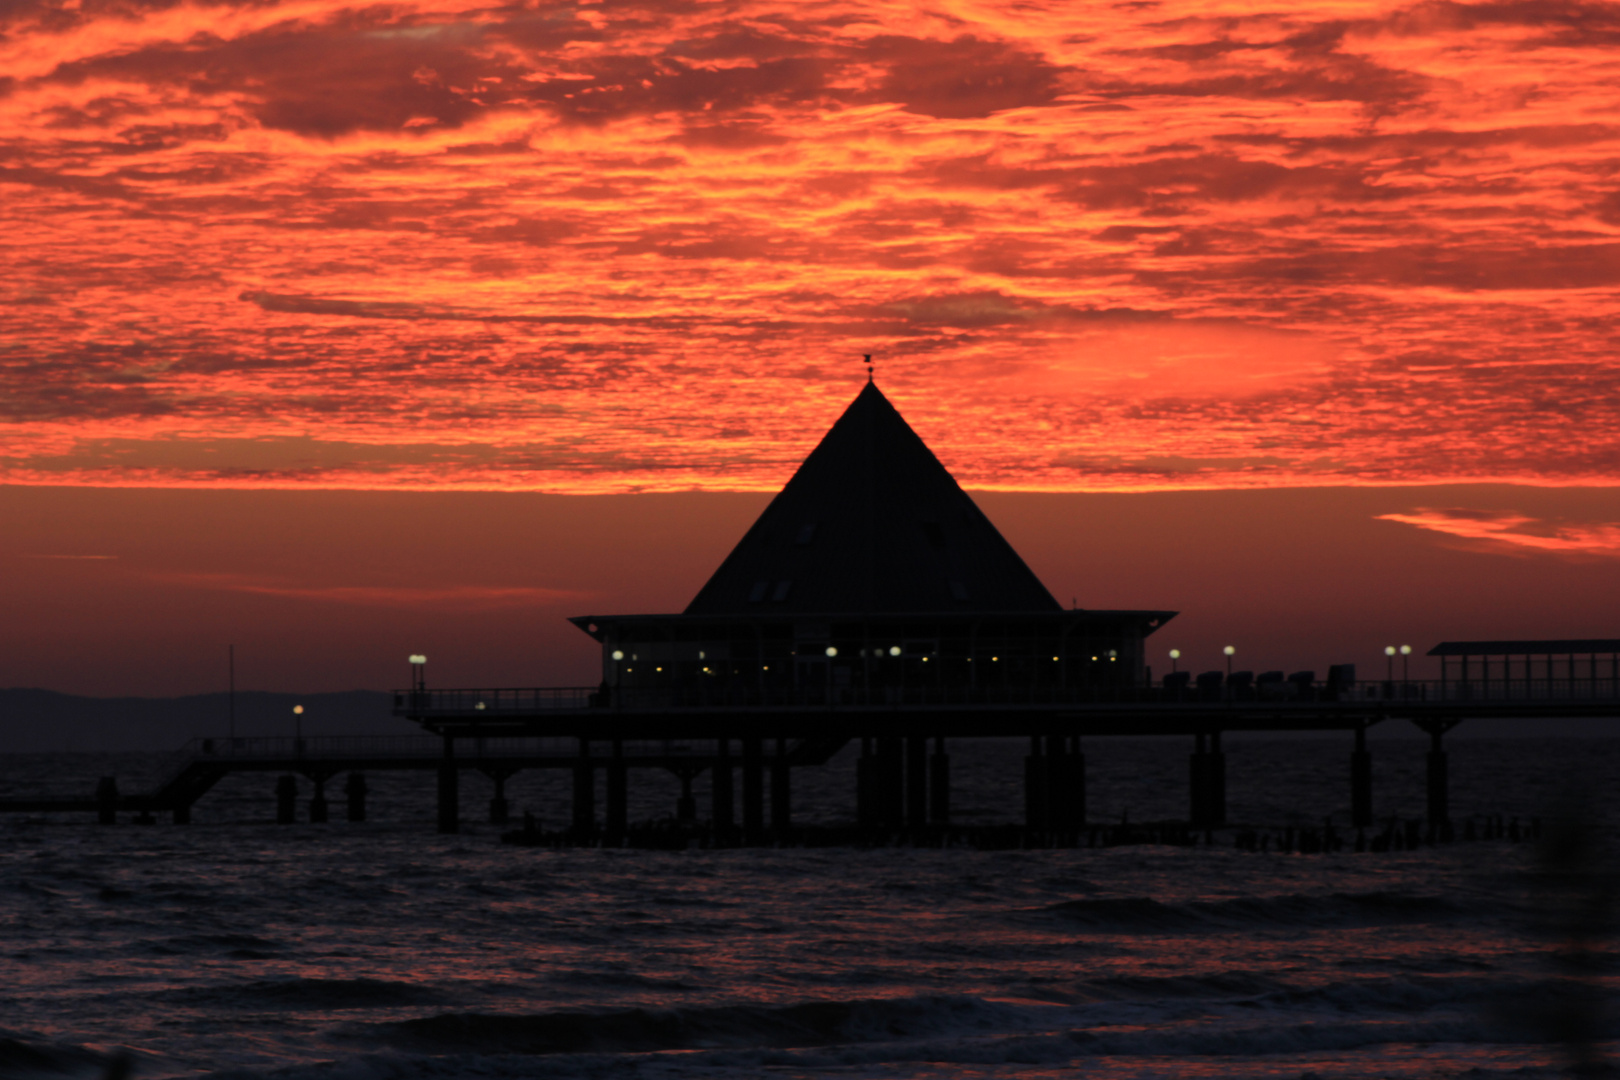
(233, 947)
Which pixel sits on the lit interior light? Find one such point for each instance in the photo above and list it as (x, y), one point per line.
(894, 650)
(1054, 659)
(618, 654)
(702, 655)
(832, 650)
(480, 705)
(925, 659)
(1094, 658)
(658, 669)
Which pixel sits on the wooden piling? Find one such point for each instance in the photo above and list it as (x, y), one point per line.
(867, 813)
(449, 789)
(1036, 789)
(917, 782)
(1439, 797)
(724, 810)
(781, 790)
(618, 794)
(753, 786)
(584, 810)
(939, 785)
(1361, 811)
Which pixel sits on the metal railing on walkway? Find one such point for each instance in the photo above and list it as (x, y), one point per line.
(466, 703)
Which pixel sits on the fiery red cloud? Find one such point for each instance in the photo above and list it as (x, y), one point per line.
(638, 245)
(1517, 533)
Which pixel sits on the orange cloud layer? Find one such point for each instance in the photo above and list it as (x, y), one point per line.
(639, 244)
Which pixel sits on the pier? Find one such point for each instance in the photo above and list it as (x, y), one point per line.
(872, 603)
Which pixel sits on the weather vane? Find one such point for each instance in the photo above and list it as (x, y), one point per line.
(868, 357)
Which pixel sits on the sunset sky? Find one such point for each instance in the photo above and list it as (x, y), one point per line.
(613, 248)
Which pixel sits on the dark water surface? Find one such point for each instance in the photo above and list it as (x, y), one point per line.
(381, 950)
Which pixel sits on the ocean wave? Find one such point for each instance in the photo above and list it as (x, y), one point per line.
(309, 994)
(1292, 911)
(816, 1023)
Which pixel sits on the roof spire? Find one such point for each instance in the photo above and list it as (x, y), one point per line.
(868, 366)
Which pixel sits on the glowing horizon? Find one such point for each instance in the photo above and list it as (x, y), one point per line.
(640, 246)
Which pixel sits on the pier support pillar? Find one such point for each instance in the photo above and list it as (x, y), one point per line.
(182, 814)
(107, 800)
(1361, 812)
(449, 790)
(584, 816)
(917, 782)
(355, 789)
(723, 811)
(753, 787)
(1066, 784)
(939, 785)
(1037, 789)
(867, 814)
(1439, 783)
(1217, 780)
(500, 810)
(1200, 811)
(286, 800)
(781, 790)
(317, 802)
(892, 785)
(686, 805)
(618, 795)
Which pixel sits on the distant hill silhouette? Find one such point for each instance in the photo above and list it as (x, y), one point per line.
(33, 721)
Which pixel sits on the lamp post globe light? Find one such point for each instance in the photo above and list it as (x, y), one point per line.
(1175, 655)
(1230, 651)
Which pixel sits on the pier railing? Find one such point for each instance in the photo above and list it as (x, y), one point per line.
(467, 703)
(287, 749)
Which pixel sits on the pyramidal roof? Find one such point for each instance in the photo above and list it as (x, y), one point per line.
(871, 523)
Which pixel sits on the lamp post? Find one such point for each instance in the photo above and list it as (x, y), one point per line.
(1406, 656)
(298, 731)
(418, 671)
(1389, 654)
(1175, 654)
(1230, 651)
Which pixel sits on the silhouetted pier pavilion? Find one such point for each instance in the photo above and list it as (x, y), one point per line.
(872, 601)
